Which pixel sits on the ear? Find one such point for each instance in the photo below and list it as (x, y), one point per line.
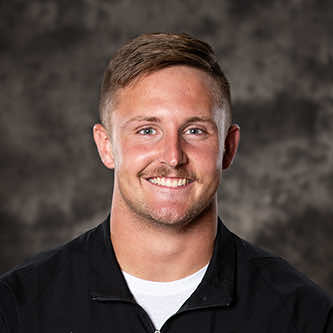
(230, 145)
(104, 145)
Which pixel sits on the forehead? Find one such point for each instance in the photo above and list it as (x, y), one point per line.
(180, 90)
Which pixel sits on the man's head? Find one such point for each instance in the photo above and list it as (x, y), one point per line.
(166, 132)
(151, 52)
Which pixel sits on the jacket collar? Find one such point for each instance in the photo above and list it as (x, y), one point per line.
(216, 288)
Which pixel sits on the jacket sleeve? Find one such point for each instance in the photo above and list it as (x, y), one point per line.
(8, 310)
(3, 326)
(329, 324)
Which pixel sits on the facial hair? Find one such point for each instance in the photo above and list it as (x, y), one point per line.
(165, 217)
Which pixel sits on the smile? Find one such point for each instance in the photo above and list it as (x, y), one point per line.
(169, 182)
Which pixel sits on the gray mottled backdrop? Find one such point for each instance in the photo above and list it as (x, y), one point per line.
(278, 56)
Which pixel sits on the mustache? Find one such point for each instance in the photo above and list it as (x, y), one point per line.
(164, 171)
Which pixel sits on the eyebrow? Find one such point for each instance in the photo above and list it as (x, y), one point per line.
(142, 118)
(200, 119)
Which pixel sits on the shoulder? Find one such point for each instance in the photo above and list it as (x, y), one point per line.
(50, 270)
(276, 279)
(277, 272)
(49, 262)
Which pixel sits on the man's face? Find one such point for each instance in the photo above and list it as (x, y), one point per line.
(167, 137)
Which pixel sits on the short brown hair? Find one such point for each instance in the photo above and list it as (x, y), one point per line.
(150, 52)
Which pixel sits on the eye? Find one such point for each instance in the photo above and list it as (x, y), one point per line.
(195, 131)
(147, 131)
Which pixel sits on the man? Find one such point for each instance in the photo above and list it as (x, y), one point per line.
(163, 261)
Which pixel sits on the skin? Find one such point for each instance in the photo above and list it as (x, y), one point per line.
(166, 124)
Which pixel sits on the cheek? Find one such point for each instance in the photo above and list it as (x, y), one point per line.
(133, 156)
(208, 159)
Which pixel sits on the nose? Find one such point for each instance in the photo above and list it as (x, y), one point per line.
(173, 153)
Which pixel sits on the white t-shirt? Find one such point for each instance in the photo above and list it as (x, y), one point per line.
(163, 299)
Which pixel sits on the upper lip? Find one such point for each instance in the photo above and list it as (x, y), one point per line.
(171, 177)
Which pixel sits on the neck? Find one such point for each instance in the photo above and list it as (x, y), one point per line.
(162, 253)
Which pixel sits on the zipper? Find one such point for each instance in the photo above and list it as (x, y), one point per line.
(154, 330)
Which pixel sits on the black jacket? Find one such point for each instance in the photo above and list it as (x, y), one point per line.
(79, 288)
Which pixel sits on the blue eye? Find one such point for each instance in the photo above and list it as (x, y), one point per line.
(147, 131)
(195, 131)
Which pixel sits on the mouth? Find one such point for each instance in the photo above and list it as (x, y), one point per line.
(169, 182)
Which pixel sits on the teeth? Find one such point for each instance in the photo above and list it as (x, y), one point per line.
(169, 182)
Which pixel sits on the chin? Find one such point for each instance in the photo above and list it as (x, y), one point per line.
(173, 218)
(170, 219)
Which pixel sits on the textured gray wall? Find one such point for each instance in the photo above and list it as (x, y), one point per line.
(278, 56)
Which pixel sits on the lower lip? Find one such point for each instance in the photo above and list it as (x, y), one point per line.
(182, 187)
